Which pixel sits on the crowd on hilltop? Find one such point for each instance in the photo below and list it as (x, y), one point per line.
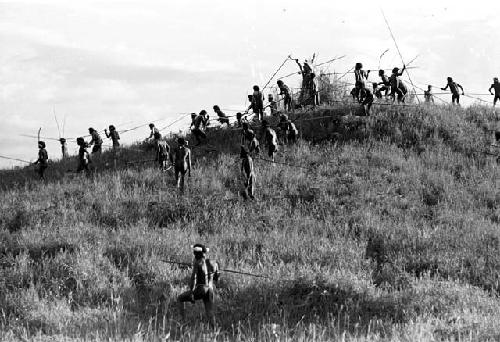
(390, 88)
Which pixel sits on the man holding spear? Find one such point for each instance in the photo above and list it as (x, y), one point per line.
(201, 285)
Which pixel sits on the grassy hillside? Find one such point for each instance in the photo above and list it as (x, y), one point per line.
(388, 231)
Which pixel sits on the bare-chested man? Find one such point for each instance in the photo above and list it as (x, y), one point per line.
(455, 95)
(181, 159)
(201, 285)
(496, 87)
(247, 171)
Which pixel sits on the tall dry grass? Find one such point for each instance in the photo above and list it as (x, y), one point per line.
(390, 234)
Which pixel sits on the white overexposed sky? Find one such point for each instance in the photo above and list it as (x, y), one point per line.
(129, 62)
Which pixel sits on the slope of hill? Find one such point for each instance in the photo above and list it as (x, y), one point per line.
(379, 228)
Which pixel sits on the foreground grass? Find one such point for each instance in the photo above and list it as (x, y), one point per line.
(391, 234)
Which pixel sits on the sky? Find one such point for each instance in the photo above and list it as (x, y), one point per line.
(96, 63)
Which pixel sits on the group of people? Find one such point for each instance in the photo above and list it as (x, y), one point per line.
(391, 87)
(394, 88)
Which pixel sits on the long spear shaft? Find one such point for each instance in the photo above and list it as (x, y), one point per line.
(224, 270)
(399, 51)
(21, 160)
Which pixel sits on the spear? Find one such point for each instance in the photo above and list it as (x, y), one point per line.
(57, 122)
(399, 51)
(380, 58)
(223, 270)
(141, 161)
(10, 158)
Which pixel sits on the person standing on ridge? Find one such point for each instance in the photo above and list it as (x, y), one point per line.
(198, 125)
(42, 161)
(360, 76)
(155, 135)
(257, 103)
(64, 148)
(495, 86)
(201, 285)
(395, 84)
(181, 159)
(113, 135)
(96, 141)
(83, 156)
(455, 95)
(223, 119)
(428, 97)
(287, 97)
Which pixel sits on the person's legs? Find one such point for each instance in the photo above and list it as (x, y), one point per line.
(184, 297)
(177, 172)
(209, 302)
(250, 187)
(180, 183)
(288, 103)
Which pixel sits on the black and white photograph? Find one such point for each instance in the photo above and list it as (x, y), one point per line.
(249, 171)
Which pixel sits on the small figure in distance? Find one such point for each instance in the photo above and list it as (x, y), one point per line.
(285, 92)
(283, 128)
(181, 160)
(198, 126)
(253, 145)
(83, 156)
(248, 173)
(496, 87)
(376, 90)
(273, 105)
(395, 83)
(96, 141)
(360, 76)
(271, 139)
(162, 154)
(42, 161)
(455, 95)
(155, 135)
(386, 84)
(245, 131)
(223, 119)
(193, 119)
(366, 99)
(239, 117)
(257, 103)
(113, 135)
(201, 285)
(293, 132)
(428, 96)
(64, 148)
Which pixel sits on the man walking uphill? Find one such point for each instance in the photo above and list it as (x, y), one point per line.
(181, 159)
